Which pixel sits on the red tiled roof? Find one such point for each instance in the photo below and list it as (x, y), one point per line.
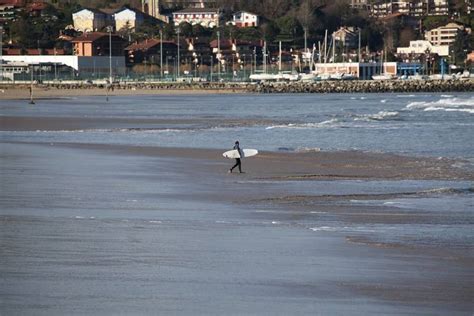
(16, 3)
(197, 10)
(12, 51)
(52, 51)
(224, 43)
(93, 36)
(33, 51)
(37, 6)
(147, 44)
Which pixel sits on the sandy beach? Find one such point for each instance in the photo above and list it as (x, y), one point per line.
(110, 228)
(45, 92)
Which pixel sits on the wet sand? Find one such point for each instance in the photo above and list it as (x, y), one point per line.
(107, 229)
(23, 92)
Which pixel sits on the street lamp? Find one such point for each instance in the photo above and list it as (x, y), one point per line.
(109, 30)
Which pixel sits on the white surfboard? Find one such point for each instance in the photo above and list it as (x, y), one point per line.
(232, 154)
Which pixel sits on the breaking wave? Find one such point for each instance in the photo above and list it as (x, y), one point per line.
(329, 123)
(382, 115)
(445, 104)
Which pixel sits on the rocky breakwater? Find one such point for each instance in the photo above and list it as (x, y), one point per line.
(365, 86)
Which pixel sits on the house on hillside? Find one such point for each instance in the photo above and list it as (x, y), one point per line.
(131, 19)
(203, 16)
(244, 19)
(97, 44)
(445, 35)
(347, 36)
(128, 18)
(149, 50)
(90, 20)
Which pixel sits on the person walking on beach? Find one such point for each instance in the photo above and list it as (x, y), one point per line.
(238, 163)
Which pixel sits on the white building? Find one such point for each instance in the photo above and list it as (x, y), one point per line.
(422, 47)
(90, 20)
(445, 35)
(203, 16)
(245, 19)
(83, 65)
(128, 18)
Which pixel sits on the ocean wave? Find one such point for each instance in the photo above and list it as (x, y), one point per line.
(116, 130)
(329, 123)
(446, 104)
(382, 115)
(308, 149)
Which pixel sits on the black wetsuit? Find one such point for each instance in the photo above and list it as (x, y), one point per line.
(237, 160)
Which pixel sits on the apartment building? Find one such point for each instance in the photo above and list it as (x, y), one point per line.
(203, 16)
(445, 35)
(410, 7)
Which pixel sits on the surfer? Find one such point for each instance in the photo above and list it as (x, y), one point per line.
(237, 160)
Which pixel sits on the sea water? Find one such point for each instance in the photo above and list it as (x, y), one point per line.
(436, 125)
(92, 233)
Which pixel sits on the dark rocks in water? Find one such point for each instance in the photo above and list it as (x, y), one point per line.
(355, 86)
(352, 86)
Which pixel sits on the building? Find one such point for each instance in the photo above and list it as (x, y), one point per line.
(189, 3)
(90, 20)
(423, 47)
(347, 37)
(205, 17)
(127, 18)
(97, 44)
(470, 57)
(153, 8)
(359, 4)
(15, 3)
(415, 8)
(245, 19)
(82, 66)
(365, 71)
(149, 51)
(445, 35)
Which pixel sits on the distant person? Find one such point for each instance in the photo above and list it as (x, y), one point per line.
(238, 163)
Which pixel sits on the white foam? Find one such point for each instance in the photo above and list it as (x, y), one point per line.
(155, 222)
(383, 101)
(324, 124)
(382, 115)
(308, 149)
(323, 229)
(445, 104)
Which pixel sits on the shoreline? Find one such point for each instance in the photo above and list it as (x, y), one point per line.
(303, 166)
(42, 91)
(128, 202)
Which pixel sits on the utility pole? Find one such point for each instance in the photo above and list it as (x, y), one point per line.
(55, 66)
(109, 29)
(1, 53)
(31, 85)
(178, 31)
(359, 57)
(279, 58)
(161, 54)
(218, 55)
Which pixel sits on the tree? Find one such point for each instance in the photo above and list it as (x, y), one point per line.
(186, 29)
(269, 31)
(407, 34)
